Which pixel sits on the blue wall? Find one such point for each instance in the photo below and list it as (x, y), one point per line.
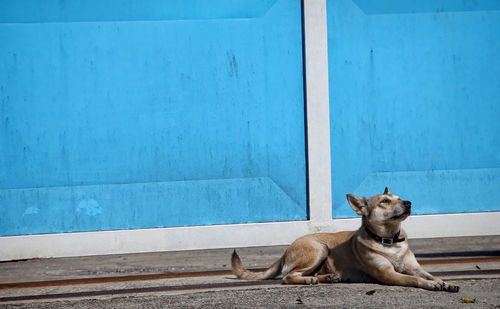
(150, 114)
(415, 102)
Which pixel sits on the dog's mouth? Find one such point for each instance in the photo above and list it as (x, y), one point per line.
(401, 215)
(406, 211)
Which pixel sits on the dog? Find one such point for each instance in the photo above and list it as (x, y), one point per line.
(377, 252)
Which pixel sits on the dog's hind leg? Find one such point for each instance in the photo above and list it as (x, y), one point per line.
(329, 278)
(327, 273)
(306, 259)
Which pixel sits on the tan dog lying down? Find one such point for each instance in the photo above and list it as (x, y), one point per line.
(377, 252)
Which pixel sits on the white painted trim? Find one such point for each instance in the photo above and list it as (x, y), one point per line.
(439, 225)
(453, 225)
(227, 236)
(318, 110)
(150, 240)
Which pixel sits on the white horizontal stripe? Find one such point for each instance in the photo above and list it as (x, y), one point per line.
(227, 236)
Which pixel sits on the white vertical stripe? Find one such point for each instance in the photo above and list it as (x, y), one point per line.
(318, 110)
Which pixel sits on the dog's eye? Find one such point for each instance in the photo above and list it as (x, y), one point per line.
(386, 201)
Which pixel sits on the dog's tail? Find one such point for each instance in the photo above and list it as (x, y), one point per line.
(243, 273)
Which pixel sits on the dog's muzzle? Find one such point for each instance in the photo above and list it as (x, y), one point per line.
(406, 211)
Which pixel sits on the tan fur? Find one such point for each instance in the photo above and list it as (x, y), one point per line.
(353, 256)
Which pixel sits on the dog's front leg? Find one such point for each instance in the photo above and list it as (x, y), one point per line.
(389, 276)
(412, 267)
(382, 270)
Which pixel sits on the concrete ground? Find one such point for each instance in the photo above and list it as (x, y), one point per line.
(201, 279)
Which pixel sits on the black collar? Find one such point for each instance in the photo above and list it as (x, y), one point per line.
(383, 240)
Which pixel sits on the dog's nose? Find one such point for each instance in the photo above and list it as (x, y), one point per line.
(407, 204)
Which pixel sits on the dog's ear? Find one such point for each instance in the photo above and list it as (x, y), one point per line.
(386, 191)
(358, 204)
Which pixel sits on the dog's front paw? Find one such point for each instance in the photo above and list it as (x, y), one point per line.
(442, 286)
(434, 285)
(450, 287)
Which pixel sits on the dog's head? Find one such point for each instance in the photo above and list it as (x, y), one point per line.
(383, 209)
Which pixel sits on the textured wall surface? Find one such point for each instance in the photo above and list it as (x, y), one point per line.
(415, 102)
(144, 114)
